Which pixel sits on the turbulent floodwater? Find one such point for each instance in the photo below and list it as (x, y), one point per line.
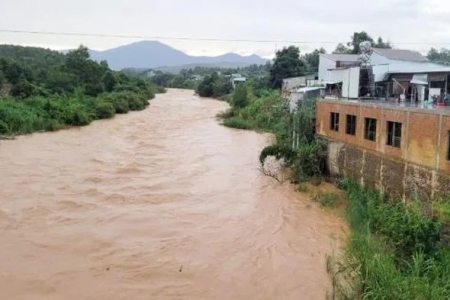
(159, 204)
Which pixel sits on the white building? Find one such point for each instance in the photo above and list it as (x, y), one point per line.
(328, 62)
(236, 79)
(396, 71)
(300, 95)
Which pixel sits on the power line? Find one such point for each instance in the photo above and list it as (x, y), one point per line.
(99, 35)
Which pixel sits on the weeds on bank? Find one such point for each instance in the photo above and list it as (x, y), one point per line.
(57, 112)
(326, 199)
(238, 123)
(394, 252)
(296, 144)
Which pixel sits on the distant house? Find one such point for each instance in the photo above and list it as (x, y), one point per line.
(197, 77)
(149, 73)
(334, 61)
(298, 96)
(236, 79)
(293, 83)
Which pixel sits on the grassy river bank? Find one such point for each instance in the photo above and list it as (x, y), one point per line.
(44, 90)
(394, 250)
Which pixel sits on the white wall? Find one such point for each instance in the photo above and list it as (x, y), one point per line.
(324, 65)
(290, 83)
(294, 98)
(377, 59)
(350, 83)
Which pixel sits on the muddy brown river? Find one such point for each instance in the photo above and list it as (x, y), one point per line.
(159, 204)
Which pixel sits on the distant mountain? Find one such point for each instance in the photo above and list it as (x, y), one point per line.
(153, 54)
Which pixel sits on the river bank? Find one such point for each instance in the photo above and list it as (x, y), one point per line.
(164, 202)
(52, 113)
(395, 250)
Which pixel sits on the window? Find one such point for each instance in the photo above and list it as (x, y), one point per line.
(351, 125)
(370, 130)
(334, 121)
(394, 134)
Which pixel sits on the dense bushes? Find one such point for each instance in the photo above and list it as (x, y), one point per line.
(214, 86)
(49, 90)
(56, 112)
(395, 250)
(240, 96)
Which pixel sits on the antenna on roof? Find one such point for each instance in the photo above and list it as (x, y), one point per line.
(366, 51)
(367, 87)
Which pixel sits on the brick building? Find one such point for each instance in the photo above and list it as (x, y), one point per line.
(402, 148)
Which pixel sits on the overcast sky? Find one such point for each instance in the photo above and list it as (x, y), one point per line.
(320, 23)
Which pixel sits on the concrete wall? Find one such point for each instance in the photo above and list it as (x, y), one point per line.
(324, 65)
(420, 163)
(294, 82)
(350, 82)
(396, 177)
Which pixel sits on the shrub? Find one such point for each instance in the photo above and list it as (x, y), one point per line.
(279, 152)
(302, 187)
(326, 199)
(78, 115)
(236, 122)
(19, 118)
(135, 101)
(104, 110)
(121, 105)
(310, 161)
(240, 97)
(52, 125)
(4, 129)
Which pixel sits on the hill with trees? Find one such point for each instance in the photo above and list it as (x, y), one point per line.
(42, 89)
(154, 54)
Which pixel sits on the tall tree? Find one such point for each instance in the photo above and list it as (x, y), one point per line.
(287, 63)
(312, 59)
(382, 44)
(341, 49)
(442, 55)
(356, 39)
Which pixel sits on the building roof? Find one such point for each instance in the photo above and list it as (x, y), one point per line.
(427, 67)
(397, 54)
(341, 57)
(308, 88)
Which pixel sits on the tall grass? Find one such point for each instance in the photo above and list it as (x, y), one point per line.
(395, 251)
(57, 112)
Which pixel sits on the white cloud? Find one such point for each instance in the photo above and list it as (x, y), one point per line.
(400, 21)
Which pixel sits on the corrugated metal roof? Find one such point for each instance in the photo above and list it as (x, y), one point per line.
(341, 57)
(420, 68)
(397, 54)
(308, 88)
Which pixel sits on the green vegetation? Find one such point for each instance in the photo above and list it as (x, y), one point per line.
(45, 90)
(395, 251)
(286, 64)
(240, 97)
(270, 113)
(326, 199)
(214, 86)
(358, 37)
